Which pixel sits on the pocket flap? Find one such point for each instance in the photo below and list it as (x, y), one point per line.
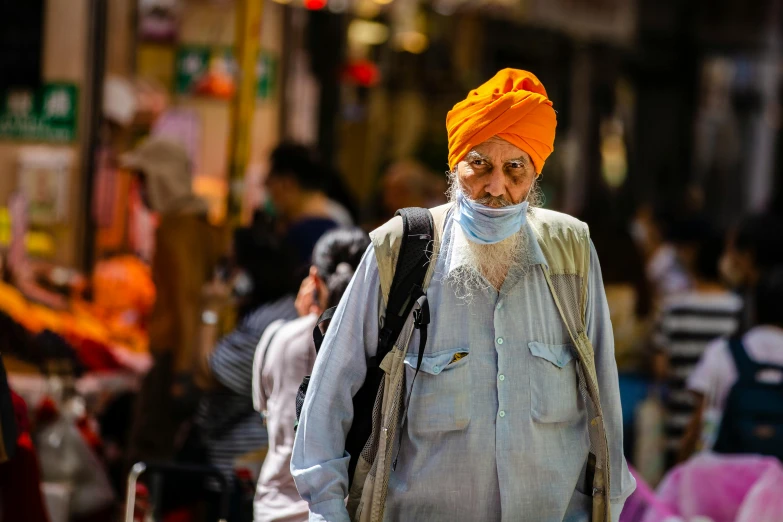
(557, 354)
(434, 364)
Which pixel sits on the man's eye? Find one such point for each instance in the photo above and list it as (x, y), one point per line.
(479, 163)
(516, 165)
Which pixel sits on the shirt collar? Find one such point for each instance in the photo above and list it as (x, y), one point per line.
(456, 238)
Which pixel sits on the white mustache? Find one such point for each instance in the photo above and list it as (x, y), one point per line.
(494, 201)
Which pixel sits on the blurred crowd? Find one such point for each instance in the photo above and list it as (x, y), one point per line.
(713, 293)
(696, 312)
(204, 401)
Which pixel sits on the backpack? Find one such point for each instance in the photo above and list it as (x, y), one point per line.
(407, 292)
(753, 417)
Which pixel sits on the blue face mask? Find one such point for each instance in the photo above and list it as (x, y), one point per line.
(487, 225)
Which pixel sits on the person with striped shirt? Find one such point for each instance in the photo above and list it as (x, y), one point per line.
(689, 321)
(263, 285)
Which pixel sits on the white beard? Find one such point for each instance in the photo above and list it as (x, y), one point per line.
(481, 266)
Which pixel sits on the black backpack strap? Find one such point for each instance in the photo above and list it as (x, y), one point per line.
(319, 332)
(411, 269)
(746, 367)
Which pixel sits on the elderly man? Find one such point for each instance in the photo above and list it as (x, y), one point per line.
(515, 414)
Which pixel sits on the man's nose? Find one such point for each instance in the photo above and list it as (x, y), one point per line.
(496, 184)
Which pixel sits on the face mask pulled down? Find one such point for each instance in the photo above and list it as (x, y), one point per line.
(492, 242)
(489, 225)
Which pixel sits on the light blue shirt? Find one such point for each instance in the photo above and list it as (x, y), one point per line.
(498, 435)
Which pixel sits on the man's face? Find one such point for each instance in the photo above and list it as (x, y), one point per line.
(496, 173)
(281, 190)
(737, 266)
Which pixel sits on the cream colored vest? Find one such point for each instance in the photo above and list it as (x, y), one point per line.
(565, 242)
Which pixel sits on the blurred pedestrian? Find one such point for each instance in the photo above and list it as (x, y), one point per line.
(296, 184)
(187, 251)
(284, 357)
(494, 427)
(342, 204)
(261, 283)
(666, 275)
(738, 384)
(408, 183)
(689, 321)
(754, 246)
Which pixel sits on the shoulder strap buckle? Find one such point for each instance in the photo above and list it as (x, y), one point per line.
(421, 315)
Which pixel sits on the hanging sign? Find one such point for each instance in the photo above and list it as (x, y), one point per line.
(211, 72)
(44, 180)
(45, 114)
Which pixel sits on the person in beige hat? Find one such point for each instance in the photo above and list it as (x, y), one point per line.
(187, 252)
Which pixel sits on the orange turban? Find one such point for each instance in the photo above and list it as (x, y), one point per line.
(513, 106)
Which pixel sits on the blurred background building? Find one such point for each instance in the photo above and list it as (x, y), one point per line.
(656, 100)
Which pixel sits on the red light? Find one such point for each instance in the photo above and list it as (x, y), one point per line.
(362, 72)
(315, 5)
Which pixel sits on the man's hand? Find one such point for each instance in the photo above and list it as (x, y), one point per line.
(692, 437)
(216, 296)
(307, 300)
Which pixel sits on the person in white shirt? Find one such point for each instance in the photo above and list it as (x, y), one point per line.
(284, 356)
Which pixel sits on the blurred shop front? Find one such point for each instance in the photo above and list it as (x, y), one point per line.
(652, 98)
(81, 83)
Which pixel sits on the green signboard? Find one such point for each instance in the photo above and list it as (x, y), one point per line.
(45, 114)
(266, 75)
(194, 62)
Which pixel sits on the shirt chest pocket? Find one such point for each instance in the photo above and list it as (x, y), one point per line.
(440, 400)
(553, 383)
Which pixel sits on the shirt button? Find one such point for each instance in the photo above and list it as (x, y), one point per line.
(500, 340)
(502, 413)
(436, 369)
(499, 305)
(501, 377)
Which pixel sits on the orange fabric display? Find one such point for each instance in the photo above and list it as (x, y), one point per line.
(514, 106)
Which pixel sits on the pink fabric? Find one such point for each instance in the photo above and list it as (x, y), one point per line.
(642, 501)
(724, 488)
(764, 501)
